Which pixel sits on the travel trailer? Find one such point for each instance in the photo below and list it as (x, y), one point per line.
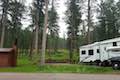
(100, 52)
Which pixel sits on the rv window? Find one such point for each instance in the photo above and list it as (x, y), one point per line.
(98, 51)
(105, 48)
(83, 52)
(114, 43)
(91, 52)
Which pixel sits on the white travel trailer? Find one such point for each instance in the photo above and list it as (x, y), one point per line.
(100, 51)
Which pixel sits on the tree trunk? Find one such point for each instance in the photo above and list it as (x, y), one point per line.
(2, 37)
(89, 22)
(36, 39)
(3, 29)
(3, 22)
(56, 44)
(71, 50)
(31, 45)
(37, 33)
(44, 34)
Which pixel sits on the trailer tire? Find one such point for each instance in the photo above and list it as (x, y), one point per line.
(116, 65)
(97, 62)
(91, 62)
(105, 63)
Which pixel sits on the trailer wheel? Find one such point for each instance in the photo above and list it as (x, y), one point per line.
(91, 62)
(97, 62)
(116, 65)
(105, 63)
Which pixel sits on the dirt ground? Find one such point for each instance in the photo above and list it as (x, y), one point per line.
(51, 76)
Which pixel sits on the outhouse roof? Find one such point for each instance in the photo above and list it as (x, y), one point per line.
(6, 49)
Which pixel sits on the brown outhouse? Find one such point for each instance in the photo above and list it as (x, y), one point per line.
(8, 57)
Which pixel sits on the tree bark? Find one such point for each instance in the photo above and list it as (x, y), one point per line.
(89, 21)
(2, 37)
(31, 45)
(37, 30)
(71, 50)
(3, 22)
(44, 34)
(36, 39)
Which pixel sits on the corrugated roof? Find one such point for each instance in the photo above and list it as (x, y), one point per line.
(6, 49)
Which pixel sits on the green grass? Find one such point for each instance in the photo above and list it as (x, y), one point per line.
(60, 55)
(24, 65)
(74, 69)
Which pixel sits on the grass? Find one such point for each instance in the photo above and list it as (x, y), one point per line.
(74, 69)
(60, 55)
(24, 65)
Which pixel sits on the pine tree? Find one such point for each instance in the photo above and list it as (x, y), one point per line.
(37, 18)
(73, 19)
(53, 26)
(5, 6)
(16, 11)
(108, 20)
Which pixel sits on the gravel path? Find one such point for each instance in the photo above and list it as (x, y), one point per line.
(51, 76)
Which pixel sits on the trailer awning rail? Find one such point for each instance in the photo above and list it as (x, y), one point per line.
(115, 48)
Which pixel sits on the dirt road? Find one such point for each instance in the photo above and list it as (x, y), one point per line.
(51, 76)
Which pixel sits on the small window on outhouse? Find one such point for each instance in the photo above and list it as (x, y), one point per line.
(114, 43)
(83, 52)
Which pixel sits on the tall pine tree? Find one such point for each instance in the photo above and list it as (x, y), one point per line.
(73, 19)
(53, 26)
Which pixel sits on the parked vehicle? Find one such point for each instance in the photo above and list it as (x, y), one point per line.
(102, 53)
(115, 62)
